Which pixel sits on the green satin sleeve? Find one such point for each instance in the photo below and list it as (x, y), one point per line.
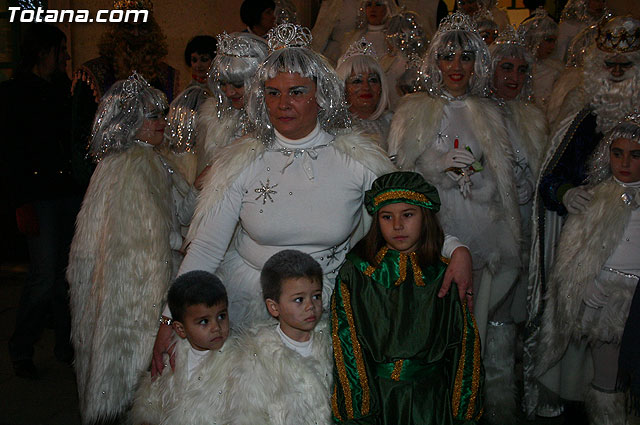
(352, 399)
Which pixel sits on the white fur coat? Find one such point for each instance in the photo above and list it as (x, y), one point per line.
(176, 399)
(531, 123)
(274, 385)
(412, 138)
(586, 242)
(120, 266)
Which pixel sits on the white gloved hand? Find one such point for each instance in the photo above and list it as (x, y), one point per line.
(594, 296)
(456, 158)
(463, 180)
(576, 200)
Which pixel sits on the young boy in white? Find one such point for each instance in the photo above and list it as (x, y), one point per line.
(283, 372)
(196, 391)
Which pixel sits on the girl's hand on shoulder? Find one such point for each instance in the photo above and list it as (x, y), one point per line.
(460, 271)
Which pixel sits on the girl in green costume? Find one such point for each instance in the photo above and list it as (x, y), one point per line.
(402, 355)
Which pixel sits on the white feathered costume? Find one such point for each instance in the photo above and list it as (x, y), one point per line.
(274, 385)
(121, 261)
(488, 221)
(177, 398)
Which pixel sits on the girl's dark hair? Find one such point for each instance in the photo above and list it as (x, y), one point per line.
(431, 236)
(37, 39)
(200, 44)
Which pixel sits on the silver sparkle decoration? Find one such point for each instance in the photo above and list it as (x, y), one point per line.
(181, 121)
(121, 113)
(288, 35)
(357, 48)
(537, 28)
(265, 192)
(405, 35)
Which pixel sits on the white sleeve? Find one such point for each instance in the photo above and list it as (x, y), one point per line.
(210, 244)
(451, 243)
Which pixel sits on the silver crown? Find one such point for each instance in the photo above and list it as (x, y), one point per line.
(457, 21)
(359, 48)
(288, 35)
(510, 35)
(230, 45)
(633, 118)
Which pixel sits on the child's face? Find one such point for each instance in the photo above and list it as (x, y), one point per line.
(206, 328)
(401, 226)
(625, 160)
(299, 308)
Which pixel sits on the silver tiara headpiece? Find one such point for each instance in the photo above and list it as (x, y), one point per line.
(359, 48)
(509, 35)
(457, 21)
(230, 45)
(288, 35)
(633, 117)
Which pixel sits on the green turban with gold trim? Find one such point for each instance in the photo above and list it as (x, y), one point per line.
(401, 186)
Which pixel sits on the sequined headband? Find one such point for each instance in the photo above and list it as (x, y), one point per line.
(288, 35)
(393, 196)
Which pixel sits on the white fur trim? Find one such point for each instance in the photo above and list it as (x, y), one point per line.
(213, 132)
(605, 408)
(500, 383)
(119, 269)
(531, 123)
(586, 242)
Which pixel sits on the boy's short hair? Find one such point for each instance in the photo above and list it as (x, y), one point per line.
(287, 264)
(251, 11)
(201, 44)
(192, 288)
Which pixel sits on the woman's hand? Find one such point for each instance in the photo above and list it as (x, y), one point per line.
(162, 346)
(460, 271)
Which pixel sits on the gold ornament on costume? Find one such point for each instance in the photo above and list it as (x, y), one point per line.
(619, 35)
(133, 5)
(288, 35)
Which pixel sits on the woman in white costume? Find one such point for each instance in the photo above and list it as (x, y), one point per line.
(525, 123)
(541, 33)
(222, 118)
(576, 16)
(596, 272)
(125, 249)
(455, 138)
(297, 181)
(366, 91)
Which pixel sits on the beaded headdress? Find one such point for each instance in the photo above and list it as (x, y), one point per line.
(359, 48)
(536, 28)
(509, 35)
(121, 113)
(231, 45)
(288, 35)
(133, 5)
(457, 21)
(406, 35)
(599, 164)
(402, 186)
(181, 121)
(619, 35)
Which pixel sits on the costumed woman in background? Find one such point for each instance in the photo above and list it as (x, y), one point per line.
(222, 118)
(576, 16)
(511, 65)
(124, 48)
(596, 272)
(124, 251)
(366, 91)
(296, 182)
(456, 139)
(198, 55)
(541, 33)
